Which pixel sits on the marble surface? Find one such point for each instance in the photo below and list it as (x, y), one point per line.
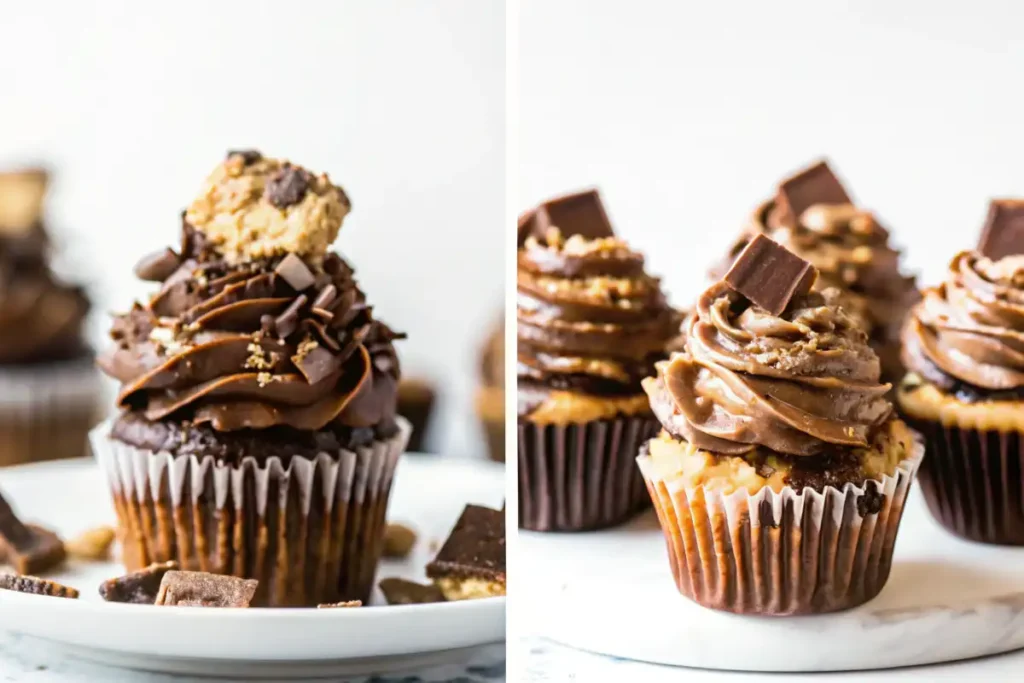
(35, 661)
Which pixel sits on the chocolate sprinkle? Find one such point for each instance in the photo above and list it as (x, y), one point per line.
(769, 275)
(581, 214)
(200, 589)
(158, 266)
(36, 586)
(288, 322)
(295, 272)
(326, 297)
(1003, 234)
(287, 187)
(814, 185)
(137, 588)
(249, 156)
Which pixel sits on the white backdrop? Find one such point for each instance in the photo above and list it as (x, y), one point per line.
(687, 113)
(401, 102)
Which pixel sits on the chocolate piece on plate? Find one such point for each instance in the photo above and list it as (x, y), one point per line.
(200, 589)
(398, 540)
(403, 592)
(471, 563)
(347, 603)
(29, 548)
(769, 275)
(35, 586)
(137, 588)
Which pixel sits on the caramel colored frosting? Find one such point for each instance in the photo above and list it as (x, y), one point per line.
(41, 318)
(967, 334)
(254, 343)
(851, 251)
(589, 319)
(797, 384)
(253, 208)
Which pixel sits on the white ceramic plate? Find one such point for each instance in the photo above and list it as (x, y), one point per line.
(429, 494)
(611, 592)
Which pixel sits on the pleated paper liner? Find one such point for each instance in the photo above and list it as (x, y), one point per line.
(46, 412)
(784, 553)
(579, 477)
(311, 532)
(973, 481)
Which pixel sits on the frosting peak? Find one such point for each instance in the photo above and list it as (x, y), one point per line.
(797, 383)
(252, 207)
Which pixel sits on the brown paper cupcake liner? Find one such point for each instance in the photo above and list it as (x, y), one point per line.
(578, 477)
(46, 412)
(973, 481)
(784, 553)
(310, 531)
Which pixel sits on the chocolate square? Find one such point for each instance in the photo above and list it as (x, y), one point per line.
(137, 588)
(581, 213)
(30, 549)
(200, 589)
(475, 549)
(769, 275)
(1003, 233)
(814, 185)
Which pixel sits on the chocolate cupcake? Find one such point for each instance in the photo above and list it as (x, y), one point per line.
(490, 397)
(258, 435)
(590, 325)
(416, 398)
(813, 216)
(47, 378)
(963, 346)
(780, 475)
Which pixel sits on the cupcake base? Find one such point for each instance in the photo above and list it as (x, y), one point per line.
(580, 477)
(310, 531)
(781, 553)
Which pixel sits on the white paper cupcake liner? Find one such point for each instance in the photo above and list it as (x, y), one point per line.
(791, 552)
(310, 531)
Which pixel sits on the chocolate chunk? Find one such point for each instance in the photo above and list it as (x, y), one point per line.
(1003, 234)
(402, 592)
(30, 549)
(286, 323)
(316, 363)
(137, 588)
(249, 156)
(398, 540)
(814, 185)
(287, 187)
(158, 266)
(36, 586)
(267, 325)
(347, 603)
(871, 502)
(295, 272)
(475, 549)
(769, 275)
(199, 589)
(581, 214)
(326, 297)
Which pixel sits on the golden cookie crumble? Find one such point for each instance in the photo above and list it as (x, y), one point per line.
(253, 207)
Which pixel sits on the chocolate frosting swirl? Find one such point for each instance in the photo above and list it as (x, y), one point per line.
(851, 251)
(799, 384)
(970, 328)
(253, 345)
(589, 318)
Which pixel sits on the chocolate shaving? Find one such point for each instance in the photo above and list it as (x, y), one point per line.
(249, 156)
(403, 592)
(581, 214)
(158, 266)
(1003, 234)
(36, 586)
(769, 275)
(137, 588)
(295, 272)
(287, 187)
(326, 297)
(814, 185)
(288, 322)
(30, 549)
(200, 589)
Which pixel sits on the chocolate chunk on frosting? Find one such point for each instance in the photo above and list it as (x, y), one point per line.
(970, 328)
(589, 318)
(769, 275)
(580, 213)
(1003, 233)
(815, 185)
(800, 383)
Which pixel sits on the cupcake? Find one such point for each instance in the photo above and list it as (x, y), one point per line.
(813, 216)
(780, 474)
(257, 435)
(47, 378)
(590, 325)
(963, 346)
(490, 397)
(416, 398)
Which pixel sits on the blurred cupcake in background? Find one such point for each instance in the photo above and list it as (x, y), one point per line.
(813, 216)
(591, 323)
(48, 385)
(416, 401)
(490, 398)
